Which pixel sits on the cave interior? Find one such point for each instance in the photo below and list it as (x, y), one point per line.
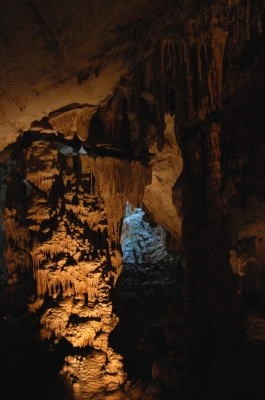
(132, 203)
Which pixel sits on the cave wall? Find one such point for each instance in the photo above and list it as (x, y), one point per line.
(142, 242)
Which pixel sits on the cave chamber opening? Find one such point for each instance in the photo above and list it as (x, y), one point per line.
(148, 288)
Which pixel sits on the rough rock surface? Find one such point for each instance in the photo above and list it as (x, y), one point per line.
(166, 167)
(141, 242)
(60, 227)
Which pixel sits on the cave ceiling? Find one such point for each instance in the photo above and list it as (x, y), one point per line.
(71, 55)
(62, 53)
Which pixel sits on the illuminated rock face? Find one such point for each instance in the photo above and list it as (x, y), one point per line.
(66, 231)
(166, 167)
(142, 243)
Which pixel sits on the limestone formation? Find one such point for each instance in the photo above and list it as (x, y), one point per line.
(66, 234)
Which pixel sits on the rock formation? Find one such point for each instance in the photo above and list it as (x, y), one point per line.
(64, 230)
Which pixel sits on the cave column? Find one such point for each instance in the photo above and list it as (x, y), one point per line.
(213, 213)
(209, 292)
(219, 301)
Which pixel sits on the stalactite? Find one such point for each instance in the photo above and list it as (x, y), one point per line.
(204, 32)
(128, 179)
(42, 165)
(9, 220)
(43, 181)
(48, 278)
(199, 61)
(247, 13)
(218, 44)
(164, 43)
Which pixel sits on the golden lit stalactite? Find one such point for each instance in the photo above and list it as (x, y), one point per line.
(128, 180)
(42, 157)
(70, 223)
(17, 254)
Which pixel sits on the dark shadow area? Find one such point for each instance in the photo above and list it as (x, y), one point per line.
(29, 370)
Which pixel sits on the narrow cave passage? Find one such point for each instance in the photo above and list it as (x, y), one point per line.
(149, 287)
